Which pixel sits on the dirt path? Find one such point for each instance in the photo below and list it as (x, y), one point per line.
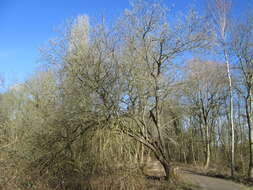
(211, 183)
(154, 168)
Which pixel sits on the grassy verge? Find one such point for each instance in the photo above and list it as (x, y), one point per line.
(117, 181)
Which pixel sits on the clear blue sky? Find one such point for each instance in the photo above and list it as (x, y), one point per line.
(25, 25)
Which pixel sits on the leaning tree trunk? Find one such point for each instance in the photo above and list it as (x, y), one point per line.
(168, 174)
(167, 168)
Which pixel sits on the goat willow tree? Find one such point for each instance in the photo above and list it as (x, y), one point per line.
(127, 72)
(150, 46)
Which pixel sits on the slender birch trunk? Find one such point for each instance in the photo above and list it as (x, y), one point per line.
(231, 114)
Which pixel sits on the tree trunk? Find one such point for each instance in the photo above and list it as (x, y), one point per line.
(208, 151)
(167, 168)
(193, 153)
(251, 153)
(207, 155)
(142, 154)
(249, 120)
(231, 114)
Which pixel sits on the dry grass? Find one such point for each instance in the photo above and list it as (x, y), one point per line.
(119, 181)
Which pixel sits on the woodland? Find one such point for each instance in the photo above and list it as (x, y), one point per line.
(176, 88)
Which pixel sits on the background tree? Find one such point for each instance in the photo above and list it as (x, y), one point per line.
(242, 47)
(205, 93)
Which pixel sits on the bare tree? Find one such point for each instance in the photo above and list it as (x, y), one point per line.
(243, 50)
(219, 12)
(205, 93)
(150, 46)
